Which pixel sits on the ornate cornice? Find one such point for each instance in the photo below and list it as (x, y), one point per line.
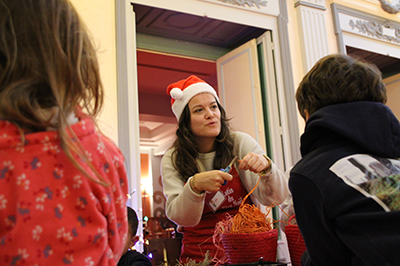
(250, 3)
(376, 29)
(320, 4)
(390, 6)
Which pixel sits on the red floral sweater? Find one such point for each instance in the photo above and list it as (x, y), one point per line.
(50, 213)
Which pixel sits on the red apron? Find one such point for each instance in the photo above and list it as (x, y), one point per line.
(198, 240)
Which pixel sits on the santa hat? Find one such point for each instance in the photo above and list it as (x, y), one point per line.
(182, 91)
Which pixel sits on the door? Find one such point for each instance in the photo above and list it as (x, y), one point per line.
(248, 83)
(239, 90)
(248, 88)
(277, 137)
(275, 117)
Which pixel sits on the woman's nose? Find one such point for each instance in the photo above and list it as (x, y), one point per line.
(209, 114)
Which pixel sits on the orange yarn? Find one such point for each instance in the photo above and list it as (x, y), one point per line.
(249, 219)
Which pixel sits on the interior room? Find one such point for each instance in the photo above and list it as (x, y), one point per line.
(160, 63)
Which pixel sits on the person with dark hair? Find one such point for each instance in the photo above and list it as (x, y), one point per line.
(63, 184)
(199, 193)
(131, 257)
(344, 211)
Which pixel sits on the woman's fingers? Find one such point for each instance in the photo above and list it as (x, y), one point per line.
(253, 162)
(212, 180)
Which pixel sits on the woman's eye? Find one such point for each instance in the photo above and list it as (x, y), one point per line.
(214, 107)
(198, 110)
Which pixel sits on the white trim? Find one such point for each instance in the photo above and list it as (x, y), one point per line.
(371, 29)
(372, 45)
(319, 4)
(280, 140)
(270, 7)
(128, 109)
(212, 10)
(364, 31)
(313, 35)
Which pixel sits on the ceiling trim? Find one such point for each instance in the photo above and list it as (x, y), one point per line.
(178, 47)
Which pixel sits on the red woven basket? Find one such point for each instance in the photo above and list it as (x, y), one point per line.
(245, 248)
(295, 242)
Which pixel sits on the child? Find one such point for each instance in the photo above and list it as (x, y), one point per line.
(345, 188)
(131, 257)
(63, 185)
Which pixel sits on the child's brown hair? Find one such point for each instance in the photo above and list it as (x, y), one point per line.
(48, 71)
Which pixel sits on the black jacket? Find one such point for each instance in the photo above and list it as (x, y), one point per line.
(134, 258)
(342, 223)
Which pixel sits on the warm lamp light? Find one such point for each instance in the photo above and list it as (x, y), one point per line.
(147, 186)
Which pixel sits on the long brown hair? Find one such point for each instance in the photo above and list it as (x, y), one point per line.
(47, 60)
(186, 148)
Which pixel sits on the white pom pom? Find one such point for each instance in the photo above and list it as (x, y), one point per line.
(176, 93)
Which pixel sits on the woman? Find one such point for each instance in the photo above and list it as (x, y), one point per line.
(197, 196)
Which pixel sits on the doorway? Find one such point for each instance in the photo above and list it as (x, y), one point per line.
(157, 67)
(271, 17)
(160, 63)
(128, 57)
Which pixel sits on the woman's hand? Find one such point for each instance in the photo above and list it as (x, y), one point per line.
(209, 181)
(254, 162)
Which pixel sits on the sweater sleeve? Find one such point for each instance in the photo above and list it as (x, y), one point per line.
(273, 187)
(184, 206)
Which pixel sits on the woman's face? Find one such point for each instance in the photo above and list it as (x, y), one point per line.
(205, 116)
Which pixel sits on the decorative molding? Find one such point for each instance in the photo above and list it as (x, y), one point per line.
(391, 6)
(267, 7)
(313, 35)
(159, 212)
(288, 84)
(159, 197)
(319, 4)
(250, 3)
(367, 33)
(376, 29)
